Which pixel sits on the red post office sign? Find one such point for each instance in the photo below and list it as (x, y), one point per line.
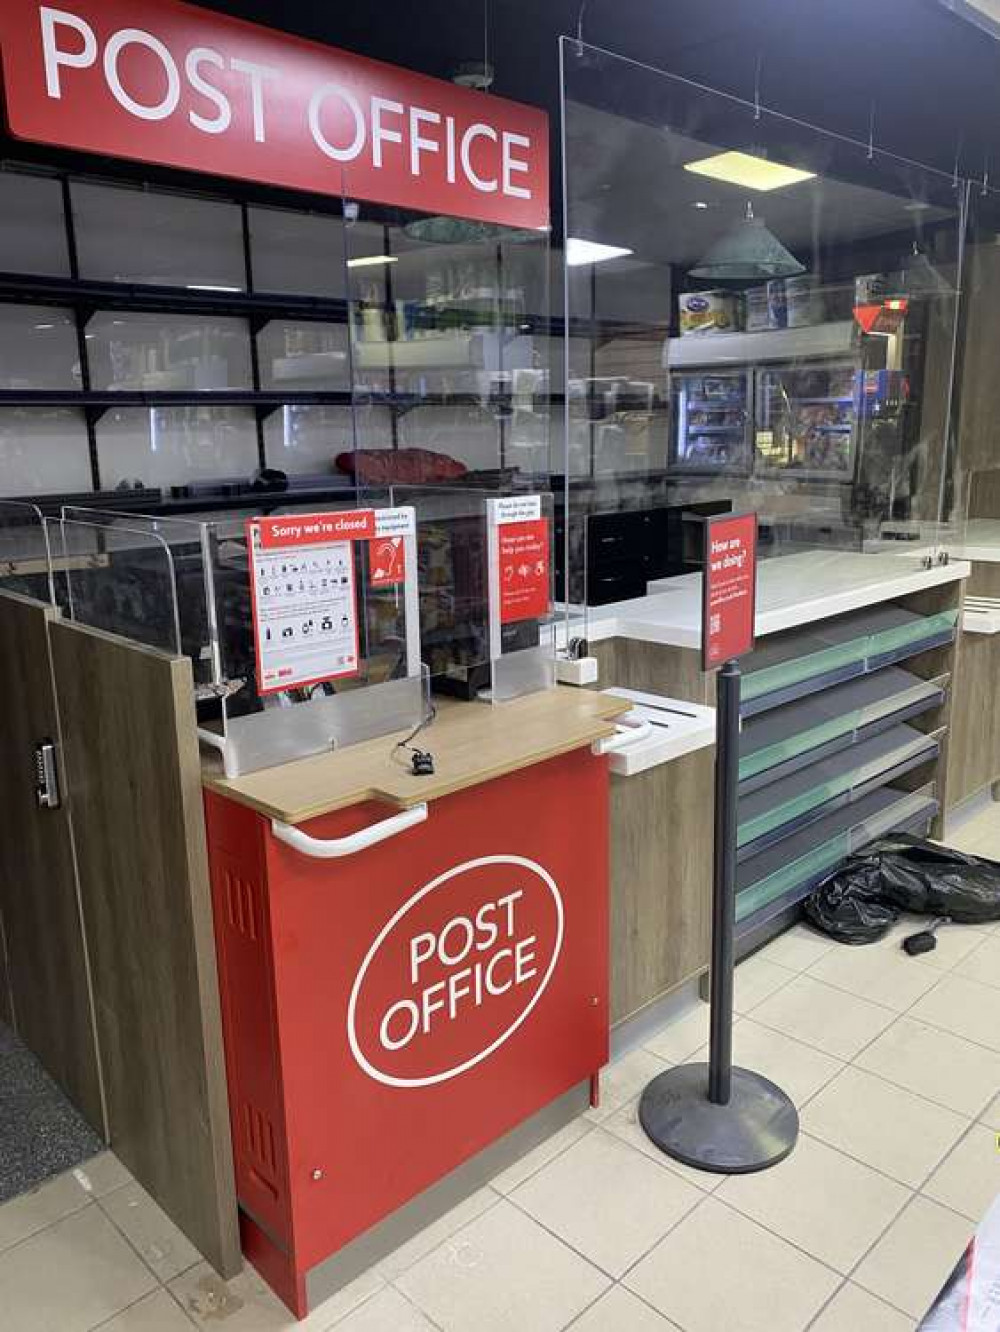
(456, 971)
(180, 86)
(729, 589)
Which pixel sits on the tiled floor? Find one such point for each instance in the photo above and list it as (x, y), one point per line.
(894, 1063)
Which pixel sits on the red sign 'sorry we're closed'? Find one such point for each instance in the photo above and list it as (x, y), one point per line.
(169, 83)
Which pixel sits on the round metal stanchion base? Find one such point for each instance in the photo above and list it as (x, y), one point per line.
(757, 1129)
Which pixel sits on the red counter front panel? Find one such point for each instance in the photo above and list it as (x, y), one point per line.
(391, 1013)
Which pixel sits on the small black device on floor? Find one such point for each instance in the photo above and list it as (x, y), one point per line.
(925, 941)
(422, 763)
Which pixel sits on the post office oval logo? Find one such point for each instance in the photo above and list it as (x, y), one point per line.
(458, 969)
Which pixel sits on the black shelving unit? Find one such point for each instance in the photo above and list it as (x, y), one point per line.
(828, 762)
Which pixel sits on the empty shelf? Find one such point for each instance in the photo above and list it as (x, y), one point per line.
(783, 874)
(778, 743)
(864, 641)
(780, 809)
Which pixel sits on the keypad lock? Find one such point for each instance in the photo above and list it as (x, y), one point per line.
(46, 776)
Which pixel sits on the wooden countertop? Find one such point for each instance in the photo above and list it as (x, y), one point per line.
(471, 743)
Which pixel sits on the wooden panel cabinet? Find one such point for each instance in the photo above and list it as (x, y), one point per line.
(661, 879)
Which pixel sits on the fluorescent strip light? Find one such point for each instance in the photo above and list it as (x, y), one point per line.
(211, 286)
(580, 252)
(370, 260)
(749, 171)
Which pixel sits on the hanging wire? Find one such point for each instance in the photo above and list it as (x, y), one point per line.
(871, 132)
(486, 41)
(756, 86)
(985, 188)
(579, 27)
(958, 156)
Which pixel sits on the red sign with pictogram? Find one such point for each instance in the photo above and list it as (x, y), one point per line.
(386, 561)
(525, 575)
(729, 588)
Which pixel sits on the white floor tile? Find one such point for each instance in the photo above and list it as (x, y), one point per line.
(679, 1040)
(33, 1211)
(968, 1179)
(610, 1202)
(755, 979)
(71, 1277)
(625, 1125)
(915, 1257)
(936, 1064)
(889, 978)
(854, 1310)
(821, 1200)
(837, 1023)
(503, 1271)
(436, 1233)
(387, 1311)
(625, 1078)
(896, 1131)
(150, 1231)
(983, 963)
(963, 1007)
(247, 1303)
(541, 1155)
(158, 1312)
(798, 948)
(103, 1174)
(621, 1311)
(721, 1271)
(800, 1070)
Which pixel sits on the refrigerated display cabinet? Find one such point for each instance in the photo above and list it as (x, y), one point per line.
(712, 423)
(806, 420)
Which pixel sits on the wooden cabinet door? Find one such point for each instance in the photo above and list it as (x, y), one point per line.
(48, 989)
(134, 782)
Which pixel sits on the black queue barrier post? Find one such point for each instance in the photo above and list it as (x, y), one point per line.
(714, 1116)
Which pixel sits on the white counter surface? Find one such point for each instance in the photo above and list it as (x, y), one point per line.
(792, 590)
(678, 728)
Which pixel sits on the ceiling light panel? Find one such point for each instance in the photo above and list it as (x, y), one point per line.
(748, 171)
(579, 252)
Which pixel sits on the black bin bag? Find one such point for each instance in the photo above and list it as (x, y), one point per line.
(861, 900)
(932, 880)
(849, 904)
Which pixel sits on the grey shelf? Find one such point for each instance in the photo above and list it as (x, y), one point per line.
(853, 645)
(778, 878)
(781, 742)
(790, 804)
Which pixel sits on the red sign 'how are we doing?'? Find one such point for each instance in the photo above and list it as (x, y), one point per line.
(729, 589)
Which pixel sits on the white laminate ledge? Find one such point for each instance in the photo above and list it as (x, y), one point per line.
(679, 728)
(981, 615)
(792, 590)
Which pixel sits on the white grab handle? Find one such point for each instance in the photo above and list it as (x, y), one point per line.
(333, 847)
(630, 733)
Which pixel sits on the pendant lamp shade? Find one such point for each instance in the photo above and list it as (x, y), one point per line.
(747, 253)
(442, 230)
